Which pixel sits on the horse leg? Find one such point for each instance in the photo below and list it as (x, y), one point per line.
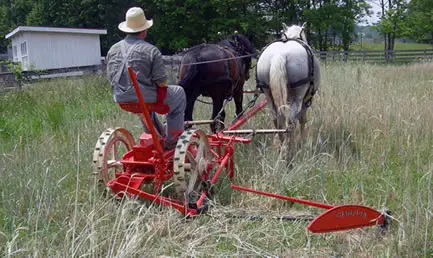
(296, 100)
(277, 118)
(302, 122)
(238, 96)
(217, 101)
(189, 109)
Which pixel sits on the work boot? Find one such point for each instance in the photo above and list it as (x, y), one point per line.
(160, 128)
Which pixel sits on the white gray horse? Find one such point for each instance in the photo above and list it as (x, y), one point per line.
(289, 74)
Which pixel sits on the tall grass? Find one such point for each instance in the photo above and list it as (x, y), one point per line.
(370, 142)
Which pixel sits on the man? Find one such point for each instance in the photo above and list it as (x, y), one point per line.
(145, 59)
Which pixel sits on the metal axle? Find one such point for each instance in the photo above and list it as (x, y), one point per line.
(198, 122)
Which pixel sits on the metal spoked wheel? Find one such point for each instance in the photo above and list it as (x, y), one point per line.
(109, 149)
(192, 158)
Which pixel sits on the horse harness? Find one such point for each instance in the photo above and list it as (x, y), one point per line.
(233, 68)
(308, 98)
(236, 75)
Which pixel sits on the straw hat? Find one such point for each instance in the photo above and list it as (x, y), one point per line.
(135, 21)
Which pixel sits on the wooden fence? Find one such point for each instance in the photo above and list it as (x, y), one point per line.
(369, 56)
(376, 56)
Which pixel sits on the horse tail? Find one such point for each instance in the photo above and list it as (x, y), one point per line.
(187, 72)
(278, 81)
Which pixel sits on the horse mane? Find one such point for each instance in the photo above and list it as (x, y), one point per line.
(243, 42)
(226, 43)
(195, 50)
(293, 32)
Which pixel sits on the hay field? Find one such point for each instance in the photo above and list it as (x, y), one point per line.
(370, 142)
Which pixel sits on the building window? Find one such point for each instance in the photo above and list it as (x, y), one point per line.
(15, 53)
(24, 49)
(24, 56)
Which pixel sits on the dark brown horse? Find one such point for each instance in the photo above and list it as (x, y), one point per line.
(218, 71)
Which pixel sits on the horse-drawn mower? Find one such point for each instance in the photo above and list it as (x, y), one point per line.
(194, 166)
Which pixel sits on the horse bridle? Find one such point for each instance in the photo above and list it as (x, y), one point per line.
(300, 35)
(240, 48)
(235, 43)
(287, 39)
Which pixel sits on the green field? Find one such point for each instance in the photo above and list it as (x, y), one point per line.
(370, 142)
(397, 46)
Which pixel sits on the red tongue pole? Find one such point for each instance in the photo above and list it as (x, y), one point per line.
(286, 198)
(335, 218)
(146, 112)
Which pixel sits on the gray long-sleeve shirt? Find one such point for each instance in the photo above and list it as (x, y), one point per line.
(144, 58)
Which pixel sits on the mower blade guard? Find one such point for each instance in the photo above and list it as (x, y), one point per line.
(345, 217)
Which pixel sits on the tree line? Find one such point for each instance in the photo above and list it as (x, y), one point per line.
(409, 19)
(181, 24)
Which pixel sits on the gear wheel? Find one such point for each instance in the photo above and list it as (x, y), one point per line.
(191, 162)
(109, 149)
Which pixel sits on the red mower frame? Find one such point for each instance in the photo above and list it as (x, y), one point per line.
(194, 166)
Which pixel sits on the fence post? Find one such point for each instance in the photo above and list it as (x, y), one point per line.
(358, 75)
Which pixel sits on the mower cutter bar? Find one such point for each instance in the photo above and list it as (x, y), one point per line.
(335, 218)
(256, 131)
(259, 217)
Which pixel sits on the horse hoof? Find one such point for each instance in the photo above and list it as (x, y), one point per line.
(290, 166)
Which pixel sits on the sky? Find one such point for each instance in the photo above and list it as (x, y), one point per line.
(375, 8)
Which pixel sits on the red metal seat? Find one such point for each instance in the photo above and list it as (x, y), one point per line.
(135, 107)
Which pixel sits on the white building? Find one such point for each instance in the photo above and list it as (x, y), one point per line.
(54, 48)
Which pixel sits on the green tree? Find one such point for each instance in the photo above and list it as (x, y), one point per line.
(181, 24)
(420, 21)
(349, 13)
(332, 22)
(4, 27)
(393, 23)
